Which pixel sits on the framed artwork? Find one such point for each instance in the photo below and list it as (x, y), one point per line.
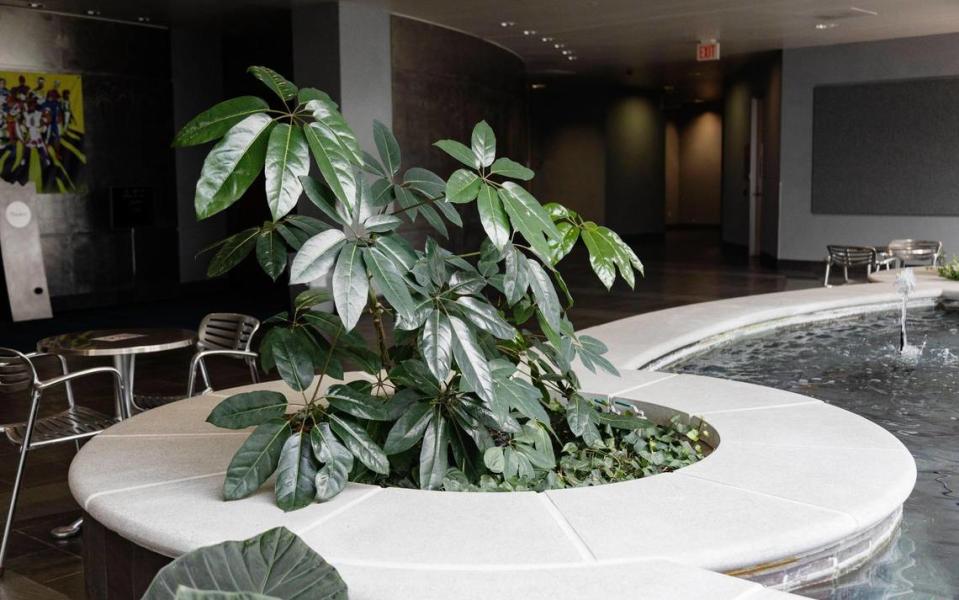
(41, 130)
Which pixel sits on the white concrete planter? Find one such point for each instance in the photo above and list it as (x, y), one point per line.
(796, 491)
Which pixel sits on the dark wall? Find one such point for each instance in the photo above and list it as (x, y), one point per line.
(127, 97)
(444, 82)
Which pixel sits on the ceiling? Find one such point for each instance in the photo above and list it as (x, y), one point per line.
(641, 42)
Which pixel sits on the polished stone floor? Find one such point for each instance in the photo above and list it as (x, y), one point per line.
(687, 266)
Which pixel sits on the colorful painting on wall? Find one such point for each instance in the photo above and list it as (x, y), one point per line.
(41, 130)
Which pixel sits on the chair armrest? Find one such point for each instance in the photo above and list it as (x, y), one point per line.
(197, 361)
(78, 374)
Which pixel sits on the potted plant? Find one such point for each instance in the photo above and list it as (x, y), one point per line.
(471, 375)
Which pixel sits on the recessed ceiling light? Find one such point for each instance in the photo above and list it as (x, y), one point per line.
(143, 19)
(558, 46)
(35, 5)
(822, 26)
(547, 38)
(506, 23)
(529, 32)
(538, 86)
(571, 57)
(93, 12)
(567, 52)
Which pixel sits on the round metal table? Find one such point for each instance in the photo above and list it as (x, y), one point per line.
(123, 345)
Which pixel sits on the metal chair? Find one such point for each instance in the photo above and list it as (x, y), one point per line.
(916, 252)
(849, 256)
(18, 374)
(220, 334)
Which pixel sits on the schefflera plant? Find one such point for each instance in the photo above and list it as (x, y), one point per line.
(476, 380)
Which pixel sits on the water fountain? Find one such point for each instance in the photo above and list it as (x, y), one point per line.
(905, 284)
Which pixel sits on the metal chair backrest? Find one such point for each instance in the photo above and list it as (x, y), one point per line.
(227, 331)
(17, 372)
(915, 249)
(851, 256)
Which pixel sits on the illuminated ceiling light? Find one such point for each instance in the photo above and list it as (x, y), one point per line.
(571, 57)
(822, 26)
(538, 86)
(567, 52)
(529, 32)
(143, 19)
(559, 45)
(506, 23)
(93, 12)
(35, 5)
(547, 38)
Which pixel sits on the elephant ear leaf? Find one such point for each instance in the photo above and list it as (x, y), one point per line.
(232, 165)
(275, 564)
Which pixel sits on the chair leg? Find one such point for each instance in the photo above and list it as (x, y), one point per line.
(253, 374)
(206, 377)
(11, 509)
(825, 283)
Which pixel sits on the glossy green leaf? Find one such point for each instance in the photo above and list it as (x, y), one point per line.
(409, 428)
(232, 165)
(398, 249)
(569, 234)
(381, 223)
(388, 280)
(485, 317)
(317, 256)
(350, 285)
(462, 186)
(434, 219)
(529, 218)
(213, 123)
(327, 115)
(448, 211)
(245, 410)
(459, 152)
(232, 251)
(512, 169)
(494, 460)
(436, 344)
(408, 203)
(336, 459)
(271, 253)
(471, 360)
(516, 278)
(425, 182)
(296, 474)
(579, 414)
(275, 563)
(276, 82)
(359, 442)
(492, 216)
(293, 359)
(521, 396)
(287, 159)
(330, 207)
(307, 94)
(388, 148)
(546, 300)
(256, 459)
(188, 593)
(602, 255)
(483, 143)
(334, 164)
(434, 454)
(354, 402)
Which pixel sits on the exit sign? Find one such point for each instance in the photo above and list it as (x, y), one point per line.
(707, 51)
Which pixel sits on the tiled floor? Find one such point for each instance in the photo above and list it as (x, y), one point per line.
(685, 267)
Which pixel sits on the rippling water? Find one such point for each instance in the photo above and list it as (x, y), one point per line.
(854, 363)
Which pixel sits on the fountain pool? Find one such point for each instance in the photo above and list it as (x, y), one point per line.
(854, 363)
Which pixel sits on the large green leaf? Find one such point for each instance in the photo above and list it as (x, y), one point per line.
(307, 94)
(436, 344)
(275, 563)
(546, 300)
(511, 169)
(528, 217)
(188, 593)
(389, 281)
(293, 359)
(334, 164)
(462, 186)
(232, 165)
(337, 462)
(245, 410)
(483, 142)
(354, 402)
(276, 82)
(213, 123)
(271, 252)
(434, 219)
(256, 459)
(232, 251)
(516, 279)
(336, 211)
(522, 396)
(471, 360)
(317, 256)
(326, 114)
(434, 455)
(492, 216)
(287, 159)
(350, 285)
(387, 147)
(409, 428)
(459, 152)
(359, 442)
(296, 474)
(484, 316)
(425, 182)
(602, 254)
(381, 223)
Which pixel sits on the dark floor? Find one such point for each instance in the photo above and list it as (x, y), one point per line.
(687, 266)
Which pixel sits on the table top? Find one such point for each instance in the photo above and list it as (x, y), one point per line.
(113, 342)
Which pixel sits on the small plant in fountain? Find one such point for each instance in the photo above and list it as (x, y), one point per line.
(470, 381)
(950, 270)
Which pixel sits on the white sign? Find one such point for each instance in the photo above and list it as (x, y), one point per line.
(18, 214)
(118, 337)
